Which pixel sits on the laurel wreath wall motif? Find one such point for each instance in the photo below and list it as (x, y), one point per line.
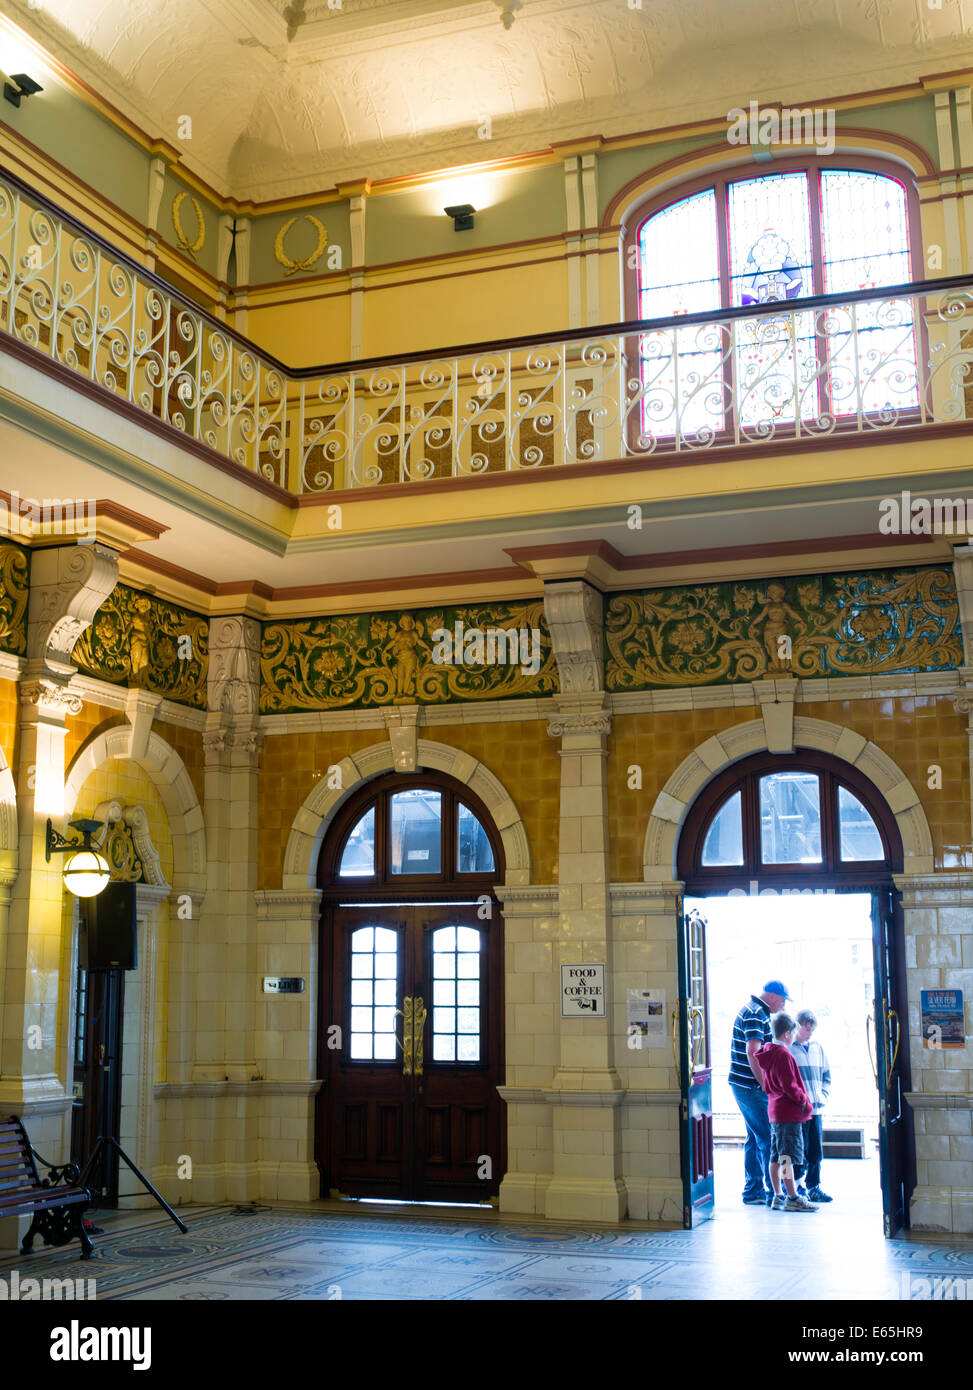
(193, 247)
(307, 262)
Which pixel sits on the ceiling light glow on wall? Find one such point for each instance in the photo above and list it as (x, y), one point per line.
(20, 85)
(462, 215)
(86, 873)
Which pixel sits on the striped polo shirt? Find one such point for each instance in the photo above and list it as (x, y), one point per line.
(752, 1023)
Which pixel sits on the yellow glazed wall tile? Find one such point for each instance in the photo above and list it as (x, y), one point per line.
(8, 721)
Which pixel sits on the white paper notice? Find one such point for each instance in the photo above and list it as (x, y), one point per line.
(647, 1018)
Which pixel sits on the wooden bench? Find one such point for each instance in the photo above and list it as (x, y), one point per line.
(58, 1210)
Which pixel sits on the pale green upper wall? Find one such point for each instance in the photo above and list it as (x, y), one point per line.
(515, 206)
(512, 205)
(88, 146)
(300, 241)
(207, 256)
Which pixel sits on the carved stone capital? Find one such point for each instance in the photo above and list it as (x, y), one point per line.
(582, 723)
(963, 697)
(574, 617)
(67, 587)
(50, 697)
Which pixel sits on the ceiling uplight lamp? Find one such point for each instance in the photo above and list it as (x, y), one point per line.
(20, 85)
(86, 873)
(462, 215)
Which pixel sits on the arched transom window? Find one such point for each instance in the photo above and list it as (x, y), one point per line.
(776, 238)
(788, 816)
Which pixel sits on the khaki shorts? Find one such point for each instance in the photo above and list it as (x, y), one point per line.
(787, 1137)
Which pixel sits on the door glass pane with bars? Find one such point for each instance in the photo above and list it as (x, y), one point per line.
(374, 993)
(456, 1004)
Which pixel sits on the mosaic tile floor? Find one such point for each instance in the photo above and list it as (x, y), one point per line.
(362, 1252)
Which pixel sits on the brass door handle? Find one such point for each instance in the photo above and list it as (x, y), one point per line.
(890, 1014)
(675, 1060)
(418, 1029)
(406, 1044)
(695, 1013)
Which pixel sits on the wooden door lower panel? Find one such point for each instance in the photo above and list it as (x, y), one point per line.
(370, 1144)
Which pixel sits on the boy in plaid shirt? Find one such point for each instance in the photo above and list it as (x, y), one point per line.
(815, 1072)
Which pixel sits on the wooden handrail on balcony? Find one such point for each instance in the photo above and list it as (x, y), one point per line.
(803, 369)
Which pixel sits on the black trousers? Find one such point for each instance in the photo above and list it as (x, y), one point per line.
(813, 1153)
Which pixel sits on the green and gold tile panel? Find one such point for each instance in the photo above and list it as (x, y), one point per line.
(14, 592)
(139, 640)
(369, 659)
(868, 624)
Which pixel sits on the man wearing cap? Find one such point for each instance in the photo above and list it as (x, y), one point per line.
(751, 1030)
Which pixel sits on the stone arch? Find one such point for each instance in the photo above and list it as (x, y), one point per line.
(322, 803)
(694, 772)
(168, 771)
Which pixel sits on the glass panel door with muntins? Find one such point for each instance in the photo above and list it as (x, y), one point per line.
(414, 1108)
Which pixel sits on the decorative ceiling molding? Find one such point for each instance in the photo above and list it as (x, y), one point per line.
(391, 87)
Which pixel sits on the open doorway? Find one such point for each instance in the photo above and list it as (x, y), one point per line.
(820, 946)
(788, 862)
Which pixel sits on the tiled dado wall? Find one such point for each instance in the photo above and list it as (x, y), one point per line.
(521, 755)
(915, 732)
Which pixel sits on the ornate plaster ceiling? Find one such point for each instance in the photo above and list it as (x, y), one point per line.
(289, 96)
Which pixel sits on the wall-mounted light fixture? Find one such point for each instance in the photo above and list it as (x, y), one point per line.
(462, 216)
(20, 85)
(86, 873)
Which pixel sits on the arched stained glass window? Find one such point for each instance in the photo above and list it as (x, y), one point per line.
(777, 238)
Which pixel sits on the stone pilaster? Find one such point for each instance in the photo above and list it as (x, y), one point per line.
(586, 1182)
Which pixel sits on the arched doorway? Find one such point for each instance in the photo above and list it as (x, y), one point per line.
(411, 995)
(779, 825)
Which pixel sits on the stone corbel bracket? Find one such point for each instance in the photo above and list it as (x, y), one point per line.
(234, 666)
(68, 584)
(573, 610)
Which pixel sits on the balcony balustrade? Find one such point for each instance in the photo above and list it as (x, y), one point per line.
(864, 364)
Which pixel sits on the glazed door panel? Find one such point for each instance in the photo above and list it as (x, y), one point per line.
(414, 1110)
(890, 1065)
(691, 1052)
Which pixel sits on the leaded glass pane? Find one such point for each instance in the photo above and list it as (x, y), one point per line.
(415, 820)
(724, 839)
(858, 833)
(871, 347)
(456, 968)
(358, 855)
(769, 231)
(473, 852)
(790, 818)
(682, 372)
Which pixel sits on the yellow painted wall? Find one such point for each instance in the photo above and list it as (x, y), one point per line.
(93, 718)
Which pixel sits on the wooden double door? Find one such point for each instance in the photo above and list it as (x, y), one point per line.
(414, 1052)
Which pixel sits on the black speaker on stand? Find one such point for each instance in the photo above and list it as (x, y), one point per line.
(109, 939)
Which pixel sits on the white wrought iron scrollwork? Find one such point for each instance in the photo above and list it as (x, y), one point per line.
(745, 379)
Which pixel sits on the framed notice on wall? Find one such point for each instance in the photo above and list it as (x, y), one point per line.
(942, 1018)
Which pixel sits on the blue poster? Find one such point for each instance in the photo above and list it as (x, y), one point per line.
(942, 1018)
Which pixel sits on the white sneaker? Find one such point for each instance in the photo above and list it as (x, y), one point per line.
(799, 1204)
(778, 1204)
